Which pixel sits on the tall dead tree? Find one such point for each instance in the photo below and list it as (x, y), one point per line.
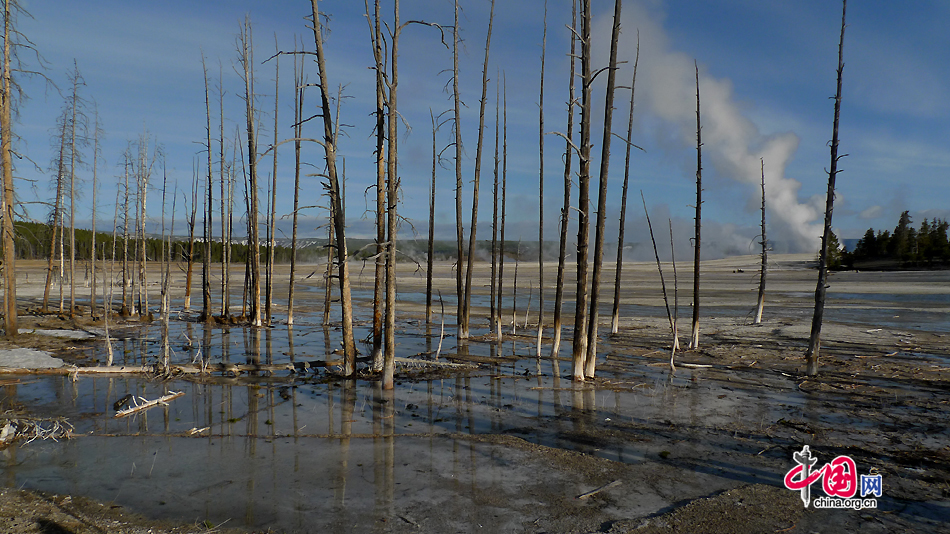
(379, 285)
(227, 185)
(7, 89)
(95, 184)
(504, 206)
(544, 43)
(56, 215)
(697, 241)
(272, 216)
(580, 341)
(464, 331)
(339, 224)
(246, 60)
(566, 209)
(457, 124)
(189, 272)
(298, 125)
(206, 312)
(615, 318)
(814, 340)
(765, 256)
(431, 242)
(493, 310)
(590, 363)
(78, 133)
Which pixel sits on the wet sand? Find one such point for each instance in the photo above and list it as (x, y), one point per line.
(511, 444)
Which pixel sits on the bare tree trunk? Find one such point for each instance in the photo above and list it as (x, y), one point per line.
(478, 171)
(566, 209)
(493, 310)
(126, 311)
(6, 161)
(226, 192)
(379, 286)
(349, 345)
(814, 341)
(591, 361)
(254, 243)
(765, 256)
(694, 337)
(392, 188)
(659, 269)
(583, 181)
(456, 99)
(298, 116)
(615, 320)
(504, 206)
(189, 273)
(431, 245)
(95, 185)
(206, 312)
(544, 43)
(271, 230)
(72, 195)
(55, 235)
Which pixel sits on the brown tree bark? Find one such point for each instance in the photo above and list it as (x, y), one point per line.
(697, 242)
(246, 59)
(544, 43)
(566, 209)
(6, 161)
(339, 225)
(298, 117)
(615, 318)
(271, 230)
(590, 363)
(760, 304)
(814, 340)
(206, 312)
(379, 286)
(580, 340)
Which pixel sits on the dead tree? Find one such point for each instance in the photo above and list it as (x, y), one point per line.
(544, 42)
(206, 264)
(697, 241)
(95, 184)
(765, 256)
(56, 217)
(7, 88)
(226, 204)
(298, 117)
(379, 285)
(459, 235)
(339, 224)
(464, 330)
(78, 133)
(566, 209)
(189, 272)
(659, 268)
(590, 363)
(271, 230)
(814, 340)
(615, 318)
(492, 310)
(583, 203)
(504, 206)
(431, 242)
(246, 60)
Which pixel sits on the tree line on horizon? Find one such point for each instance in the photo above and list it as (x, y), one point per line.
(927, 247)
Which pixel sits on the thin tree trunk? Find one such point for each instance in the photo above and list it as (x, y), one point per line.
(765, 258)
(72, 197)
(504, 204)
(379, 285)
(206, 264)
(694, 337)
(225, 205)
(478, 172)
(271, 230)
(298, 116)
(592, 326)
(392, 188)
(6, 162)
(456, 99)
(95, 185)
(349, 345)
(57, 214)
(583, 205)
(189, 273)
(254, 242)
(566, 209)
(615, 319)
(431, 245)
(125, 241)
(814, 340)
(659, 268)
(493, 309)
(544, 43)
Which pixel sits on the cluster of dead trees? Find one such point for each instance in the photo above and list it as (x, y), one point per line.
(219, 171)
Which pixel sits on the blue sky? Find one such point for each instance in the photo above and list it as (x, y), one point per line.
(767, 75)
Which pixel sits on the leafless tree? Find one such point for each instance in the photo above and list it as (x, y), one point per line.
(299, 83)
(566, 209)
(615, 319)
(590, 363)
(96, 132)
(271, 230)
(246, 61)
(189, 272)
(814, 340)
(765, 256)
(580, 341)
(544, 43)
(339, 226)
(504, 206)
(379, 286)
(697, 241)
(206, 312)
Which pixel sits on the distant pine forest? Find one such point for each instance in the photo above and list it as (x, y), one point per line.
(905, 247)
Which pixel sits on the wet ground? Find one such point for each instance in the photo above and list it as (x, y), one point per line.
(510, 444)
